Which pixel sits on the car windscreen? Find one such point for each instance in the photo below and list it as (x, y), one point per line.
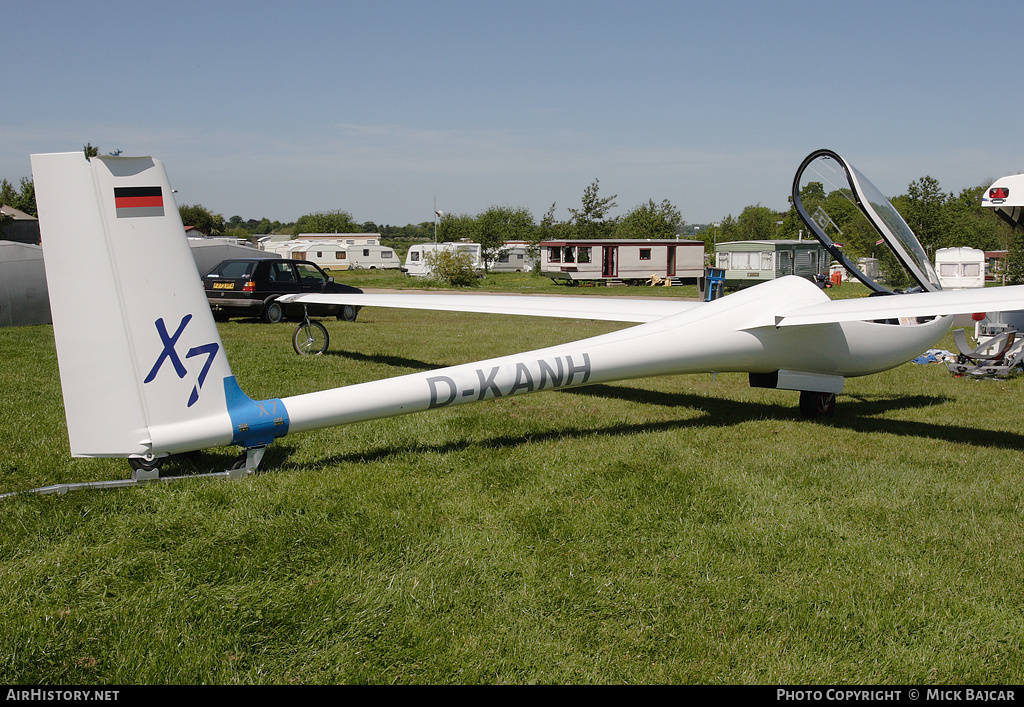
(232, 270)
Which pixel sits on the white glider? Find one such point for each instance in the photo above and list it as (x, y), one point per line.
(145, 374)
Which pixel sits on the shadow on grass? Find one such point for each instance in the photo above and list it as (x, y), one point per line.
(856, 414)
(859, 414)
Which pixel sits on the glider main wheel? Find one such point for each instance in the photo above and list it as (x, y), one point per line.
(817, 406)
(272, 313)
(310, 338)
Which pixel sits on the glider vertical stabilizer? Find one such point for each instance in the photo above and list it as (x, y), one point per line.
(142, 365)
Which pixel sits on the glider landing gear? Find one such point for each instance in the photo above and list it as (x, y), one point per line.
(817, 406)
(148, 469)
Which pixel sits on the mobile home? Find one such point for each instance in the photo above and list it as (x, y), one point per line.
(416, 259)
(626, 260)
(960, 268)
(750, 262)
(514, 256)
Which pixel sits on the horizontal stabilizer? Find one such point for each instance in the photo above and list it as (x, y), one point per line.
(614, 309)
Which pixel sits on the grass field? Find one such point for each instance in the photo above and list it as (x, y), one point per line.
(674, 530)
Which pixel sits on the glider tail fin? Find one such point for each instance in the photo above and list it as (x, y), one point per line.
(142, 366)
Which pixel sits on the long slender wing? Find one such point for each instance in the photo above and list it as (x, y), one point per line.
(920, 304)
(614, 309)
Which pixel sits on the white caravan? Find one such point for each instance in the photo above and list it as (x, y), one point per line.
(960, 268)
(416, 259)
(514, 256)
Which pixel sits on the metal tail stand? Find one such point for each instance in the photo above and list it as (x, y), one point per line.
(998, 356)
(245, 465)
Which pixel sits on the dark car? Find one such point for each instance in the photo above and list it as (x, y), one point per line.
(250, 288)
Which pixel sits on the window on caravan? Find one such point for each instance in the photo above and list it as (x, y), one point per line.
(366, 252)
(569, 254)
(339, 255)
(583, 254)
(645, 254)
(723, 261)
(972, 269)
(554, 254)
(948, 269)
(746, 260)
(766, 260)
(414, 256)
(386, 253)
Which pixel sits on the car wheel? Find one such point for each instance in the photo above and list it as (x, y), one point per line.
(347, 312)
(272, 313)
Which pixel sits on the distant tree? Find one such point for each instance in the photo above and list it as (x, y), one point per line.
(90, 151)
(202, 219)
(758, 223)
(923, 207)
(500, 224)
(326, 222)
(23, 199)
(651, 220)
(456, 227)
(591, 220)
(7, 193)
(451, 268)
(1014, 268)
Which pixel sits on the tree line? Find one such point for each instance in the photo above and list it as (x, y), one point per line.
(940, 219)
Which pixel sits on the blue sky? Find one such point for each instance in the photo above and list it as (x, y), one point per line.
(281, 109)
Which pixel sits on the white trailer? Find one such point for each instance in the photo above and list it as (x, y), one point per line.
(514, 256)
(329, 256)
(372, 257)
(416, 259)
(960, 268)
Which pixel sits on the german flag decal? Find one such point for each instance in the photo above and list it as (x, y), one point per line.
(132, 202)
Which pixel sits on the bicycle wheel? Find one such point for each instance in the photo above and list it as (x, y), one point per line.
(310, 338)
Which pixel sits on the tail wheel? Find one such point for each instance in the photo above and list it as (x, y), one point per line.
(817, 406)
(310, 339)
(143, 464)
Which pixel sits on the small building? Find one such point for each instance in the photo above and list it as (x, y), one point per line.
(622, 260)
(748, 263)
(20, 228)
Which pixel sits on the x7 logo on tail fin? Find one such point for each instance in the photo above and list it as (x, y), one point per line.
(170, 353)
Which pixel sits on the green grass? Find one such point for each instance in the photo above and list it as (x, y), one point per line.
(676, 530)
